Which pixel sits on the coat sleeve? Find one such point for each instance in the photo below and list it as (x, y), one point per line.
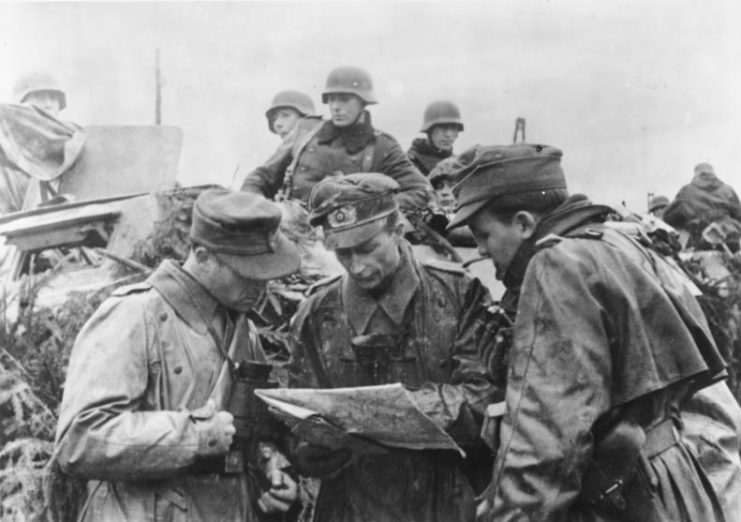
(559, 381)
(305, 368)
(458, 406)
(103, 432)
(268, 178)
(416, 190)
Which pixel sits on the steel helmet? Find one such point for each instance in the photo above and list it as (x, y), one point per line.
(36, 82)
(440, 113)
(350, 80)
(292, 99)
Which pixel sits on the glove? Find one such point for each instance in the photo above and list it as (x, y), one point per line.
(319, 461)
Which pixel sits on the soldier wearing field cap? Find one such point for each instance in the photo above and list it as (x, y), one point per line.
(150, 376)
(345, 143)
(391, 318)
(608, 344)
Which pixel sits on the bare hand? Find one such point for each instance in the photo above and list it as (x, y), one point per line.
(281, 496)
(216, 427)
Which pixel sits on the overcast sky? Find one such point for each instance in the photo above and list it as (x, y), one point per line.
(634, 92)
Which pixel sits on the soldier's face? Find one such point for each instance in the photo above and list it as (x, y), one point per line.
(46, 100)
(284, 120)
(371, 264)
(344, 108)
(232, 290)
(500, 238)
(443, 136)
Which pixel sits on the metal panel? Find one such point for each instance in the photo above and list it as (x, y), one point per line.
(124, 159)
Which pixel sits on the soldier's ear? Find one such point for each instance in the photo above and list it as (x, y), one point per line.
(525, 223)
(201, 254)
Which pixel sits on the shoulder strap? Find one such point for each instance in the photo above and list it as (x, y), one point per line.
(288, 178)
(369, 152)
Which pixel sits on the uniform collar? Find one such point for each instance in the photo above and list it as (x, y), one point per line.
(191, 301)
(576, 211)
(361, 306)
(354, 137)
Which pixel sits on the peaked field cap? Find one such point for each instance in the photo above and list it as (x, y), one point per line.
(491, 171)
(351, 209)
(243, 229)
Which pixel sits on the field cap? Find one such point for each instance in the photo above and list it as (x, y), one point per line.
(242, 229)
(491, 171)
(352, 209)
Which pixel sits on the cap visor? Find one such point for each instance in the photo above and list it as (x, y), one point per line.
(352, 237)
(284, 261)
(464, 213)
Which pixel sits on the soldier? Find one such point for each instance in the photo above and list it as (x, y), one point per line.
(390, 318)
(657, 206)
(150, 375)
(592, 428)
(442, 123)
(287, 108)
(704, 201)
(346, 143)
(41, 90)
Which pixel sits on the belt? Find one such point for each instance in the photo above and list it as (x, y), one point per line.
(660, 438)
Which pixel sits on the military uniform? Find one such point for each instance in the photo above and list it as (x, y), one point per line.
(424, 156)
(316, 149)
(439, 313)
(433, 320)
(706, 200)
(592, 428)
(140, 373)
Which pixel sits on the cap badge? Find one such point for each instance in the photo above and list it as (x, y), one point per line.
(343, 216)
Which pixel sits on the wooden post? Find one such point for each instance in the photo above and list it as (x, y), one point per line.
(158, 89)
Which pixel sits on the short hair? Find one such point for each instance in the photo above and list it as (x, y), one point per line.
(539, 202)
(391, 221)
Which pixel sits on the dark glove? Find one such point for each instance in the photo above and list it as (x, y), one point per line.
(319, 461)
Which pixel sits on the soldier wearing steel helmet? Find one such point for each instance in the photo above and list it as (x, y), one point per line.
(343, 144)
(441, 124)
(286, 109)
(41, 90)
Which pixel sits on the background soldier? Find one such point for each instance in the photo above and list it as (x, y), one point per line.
(41, 90)
(151, 374)
(592, 427)
(287, 108)
(442, 123)
(391, 319)
(704, 201)
(346, 143)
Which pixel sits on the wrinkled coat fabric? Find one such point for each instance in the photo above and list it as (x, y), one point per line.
(705, 200)
(442, 313)
(140, 365)
(590, 344)
(424, 156)
(328, 153)
(34, 146)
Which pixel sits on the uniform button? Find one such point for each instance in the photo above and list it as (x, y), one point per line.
(303, 167)
(163, 316)
(311, 149)
(178, 370)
